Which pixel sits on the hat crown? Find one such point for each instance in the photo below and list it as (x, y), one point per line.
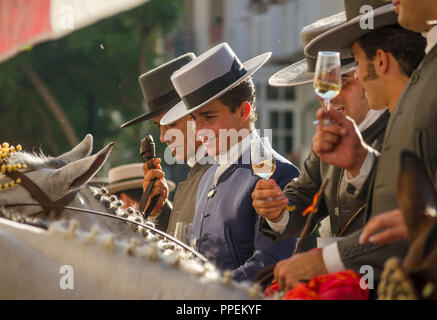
(125, 172)
(207, 67)
(157, 86)
(353, 7)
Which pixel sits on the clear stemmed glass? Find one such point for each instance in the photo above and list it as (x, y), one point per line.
(263, 162)
(327, 77)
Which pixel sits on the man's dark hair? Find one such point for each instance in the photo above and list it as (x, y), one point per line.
(407, 47)
(245, 91)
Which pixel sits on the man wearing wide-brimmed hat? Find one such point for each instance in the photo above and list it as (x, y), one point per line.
(160, 96)
(350, 254)
(419, 17)
(345, 211)
(217, 89)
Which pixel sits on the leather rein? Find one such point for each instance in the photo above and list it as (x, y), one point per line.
(62, 204)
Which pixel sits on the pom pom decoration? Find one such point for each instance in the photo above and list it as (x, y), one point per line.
(5, 151)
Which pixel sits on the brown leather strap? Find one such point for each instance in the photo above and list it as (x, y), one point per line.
(39, 195)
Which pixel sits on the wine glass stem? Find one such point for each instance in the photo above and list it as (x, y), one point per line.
(327, 104)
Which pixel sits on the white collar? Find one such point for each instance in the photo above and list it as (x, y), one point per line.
(371, 116)
(235, 152)
(431, 38)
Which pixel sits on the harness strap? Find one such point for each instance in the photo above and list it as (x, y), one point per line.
(38, 194)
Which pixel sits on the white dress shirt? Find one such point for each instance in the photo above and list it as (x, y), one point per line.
(230, 157)
(431, 39)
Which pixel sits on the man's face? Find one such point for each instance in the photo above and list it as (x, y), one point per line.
(210, 120)
(179, 137)
(351, 99)
(366, 74)
(413, 14)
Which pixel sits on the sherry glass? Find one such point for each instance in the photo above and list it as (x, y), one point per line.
(327, 77)
(263, 162)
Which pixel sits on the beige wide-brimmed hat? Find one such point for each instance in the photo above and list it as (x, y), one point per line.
(128, 177)
(302, 72)
(363, 17)
(209, 76)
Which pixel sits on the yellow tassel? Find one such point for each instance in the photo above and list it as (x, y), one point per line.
(3, 168)
(12, 183)
(24, 166)
(5, 145)
(1, 186)
(18, 180)
(14, 167)
(6, 185)
(12, 149)
(9, 168)
(19, 148)
(18, 165)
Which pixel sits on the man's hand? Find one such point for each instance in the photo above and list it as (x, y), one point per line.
(385, 228)
(160, 187)
(302, 266)
(339, 143)
(269, 200)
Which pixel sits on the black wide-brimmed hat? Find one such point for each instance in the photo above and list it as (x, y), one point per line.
(363, 17)
(158, 90)
(210, 75)
(302, 72)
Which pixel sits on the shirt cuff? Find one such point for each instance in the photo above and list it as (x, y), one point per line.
(280, 226)
(332, 259)
(365, 170)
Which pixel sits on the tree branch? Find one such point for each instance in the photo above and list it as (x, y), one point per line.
(52, 104)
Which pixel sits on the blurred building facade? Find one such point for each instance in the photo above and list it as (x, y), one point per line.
(252, 27)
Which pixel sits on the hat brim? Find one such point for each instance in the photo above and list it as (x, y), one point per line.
(180, 110)
(297, 74)
(342, 37)
(125, 185)
(148, 115)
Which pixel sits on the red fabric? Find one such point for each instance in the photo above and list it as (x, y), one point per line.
(21, 21)
(343, 285)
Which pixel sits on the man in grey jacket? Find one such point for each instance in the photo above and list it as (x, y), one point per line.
(387, 63)
(160, 96)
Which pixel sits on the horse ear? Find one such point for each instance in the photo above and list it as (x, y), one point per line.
(415, 192)
(77, 173)
(81, 150)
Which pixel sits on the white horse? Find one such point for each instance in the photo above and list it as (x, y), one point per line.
(80, 255)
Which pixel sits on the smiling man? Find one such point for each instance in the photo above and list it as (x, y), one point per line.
(160, 97)
(217, 89)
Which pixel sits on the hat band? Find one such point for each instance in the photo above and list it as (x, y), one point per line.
(168, 98)
(215, 86)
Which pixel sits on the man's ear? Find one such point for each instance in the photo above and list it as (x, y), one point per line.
(382, 61)
(244, 111)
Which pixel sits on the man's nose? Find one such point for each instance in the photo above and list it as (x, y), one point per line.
(163, 130)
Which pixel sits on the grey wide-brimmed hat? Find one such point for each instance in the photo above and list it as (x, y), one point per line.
(302, 72)
(158, 90)
(209, 76)
(360, 21)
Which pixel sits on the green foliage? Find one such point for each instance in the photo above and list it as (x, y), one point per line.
(93, 74)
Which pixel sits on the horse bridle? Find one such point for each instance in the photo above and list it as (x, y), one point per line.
(62, 204)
